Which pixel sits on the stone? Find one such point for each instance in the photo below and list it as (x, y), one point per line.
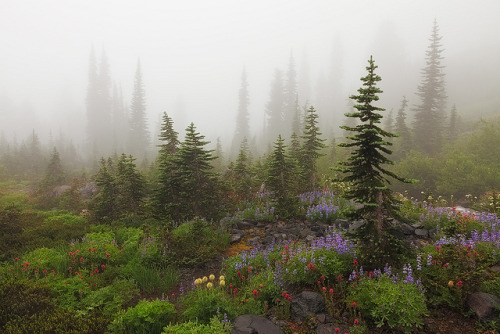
(433, 232)
(244, 224)
(254, 324)
(485, 305)
(355, 225)
(342, 223)
(421, 232)
(417, 225)
(495, 268)
(235, 238)
(407, 229)
(307, 303)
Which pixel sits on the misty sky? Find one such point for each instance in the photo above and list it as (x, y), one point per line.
(193, 52)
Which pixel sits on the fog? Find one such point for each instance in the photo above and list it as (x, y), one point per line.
(192, 55)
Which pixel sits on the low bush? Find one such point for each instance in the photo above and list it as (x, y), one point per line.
(147, 317)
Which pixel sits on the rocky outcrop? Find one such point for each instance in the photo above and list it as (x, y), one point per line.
(254, 324)
(485, 305)
(266, 233)
(307, 303)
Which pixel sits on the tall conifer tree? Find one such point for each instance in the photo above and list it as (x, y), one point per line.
(429, 117)
(139, 134)
(310, 150)
(365, 166)
(242, 118)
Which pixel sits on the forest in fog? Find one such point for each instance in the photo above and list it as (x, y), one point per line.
(196, 166)
(245, 87)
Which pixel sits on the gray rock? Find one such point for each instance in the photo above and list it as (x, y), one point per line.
(235, 238)
(421, 232)
(355, 225)
(254, 324)
(417, 225)
(244, 224)
(407, 229)
(310, 238)
(433, 232)
(307, 303)
(341, 223)
(485, 305)
(253, 241)
(495, 268)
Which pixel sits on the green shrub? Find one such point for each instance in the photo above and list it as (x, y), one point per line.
(216, 326)
(22, 298)
(195, 242)
(56, 321)
(454, 269)
(202, 304)
(156, 279)
(147, 317)
(398, 304)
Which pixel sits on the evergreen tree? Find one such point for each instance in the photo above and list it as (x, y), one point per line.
(54, 174)
(98, 103)
(290, 98)
(242, 119)
(168, 136)
(196, 191)
(310, 150)
(365, 167)
(139, 134)
(120, 121)
(389, 122)
(280, 180)
(130, 185)
(165, 192)
(219, 158)
(103, 204)
(294, 149)
(275, 107)
(36, 158)
(297, 117)
(403, 144)
(242, 173)
(429, 117)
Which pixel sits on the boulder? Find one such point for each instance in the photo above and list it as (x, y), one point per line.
(421, 233)
(307, 303)
(355, 225)
(235, 238)
(254, 324)
(407, 229)
(485, 305)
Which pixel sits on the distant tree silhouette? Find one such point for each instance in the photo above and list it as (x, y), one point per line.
(429, 118)
(275, 107)
(403, 144)
(98, 105)
(139, 134)
(242, 119)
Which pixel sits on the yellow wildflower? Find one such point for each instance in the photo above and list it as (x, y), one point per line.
(450, 284)
(209, 285)
(205, 279)
(222, 283)
(222, 278)
(211, 277)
